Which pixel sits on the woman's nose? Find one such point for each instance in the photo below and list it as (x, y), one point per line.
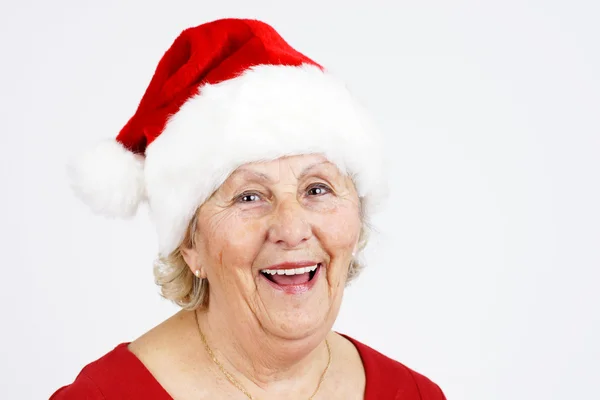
(289, 226)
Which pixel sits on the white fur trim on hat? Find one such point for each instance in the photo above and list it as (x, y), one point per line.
(108, 178)
(265, 113)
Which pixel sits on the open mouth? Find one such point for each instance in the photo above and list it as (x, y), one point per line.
(292, 276)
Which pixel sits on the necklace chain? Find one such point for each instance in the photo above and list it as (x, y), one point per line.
(236, 383)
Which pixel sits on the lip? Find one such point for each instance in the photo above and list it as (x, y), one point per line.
(294, 289)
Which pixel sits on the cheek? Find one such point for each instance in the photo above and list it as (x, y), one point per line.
(233, 244)
(340, 231)
(339, 235)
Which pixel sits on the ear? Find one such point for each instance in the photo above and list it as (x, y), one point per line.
(192, 259)
(355, 250)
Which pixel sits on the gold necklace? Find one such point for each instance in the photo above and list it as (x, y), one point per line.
(236, 383)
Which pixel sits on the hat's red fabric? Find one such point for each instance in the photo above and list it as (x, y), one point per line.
(206, 54)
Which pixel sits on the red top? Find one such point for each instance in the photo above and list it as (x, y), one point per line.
(121, 375)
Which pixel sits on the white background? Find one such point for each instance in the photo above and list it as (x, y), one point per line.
(485, 275)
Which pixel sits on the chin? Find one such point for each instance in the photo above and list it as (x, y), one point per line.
(299, 311)
(291, 329)
(295, 322)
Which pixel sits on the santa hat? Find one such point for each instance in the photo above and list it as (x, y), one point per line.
(224, 94)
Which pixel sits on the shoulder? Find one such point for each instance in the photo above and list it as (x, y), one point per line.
(117, 374)
(392, 379)
(92, 379)
(82, 388)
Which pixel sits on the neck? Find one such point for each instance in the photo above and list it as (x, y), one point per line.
(264, 363)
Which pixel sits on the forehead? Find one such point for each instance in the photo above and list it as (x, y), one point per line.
(297, 166)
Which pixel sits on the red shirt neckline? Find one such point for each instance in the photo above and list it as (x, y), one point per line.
(371, 385)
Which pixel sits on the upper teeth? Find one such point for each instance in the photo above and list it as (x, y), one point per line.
(291, 271)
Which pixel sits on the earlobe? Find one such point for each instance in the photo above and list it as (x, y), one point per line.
(355, 250)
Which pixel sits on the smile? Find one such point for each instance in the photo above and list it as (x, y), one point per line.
(292, 280)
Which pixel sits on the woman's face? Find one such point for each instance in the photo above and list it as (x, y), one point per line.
(275, 242)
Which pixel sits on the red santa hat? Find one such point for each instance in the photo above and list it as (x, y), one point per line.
(225, 93)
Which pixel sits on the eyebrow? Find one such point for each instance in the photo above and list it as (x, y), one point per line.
(267, 178)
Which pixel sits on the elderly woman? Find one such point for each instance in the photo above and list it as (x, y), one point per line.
(260, 172)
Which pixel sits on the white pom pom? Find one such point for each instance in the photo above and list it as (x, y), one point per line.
(109, 179)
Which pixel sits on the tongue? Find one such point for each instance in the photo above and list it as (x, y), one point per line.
(298, 279)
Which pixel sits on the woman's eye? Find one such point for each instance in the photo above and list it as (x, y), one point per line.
(248, 197)
(318, 190)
